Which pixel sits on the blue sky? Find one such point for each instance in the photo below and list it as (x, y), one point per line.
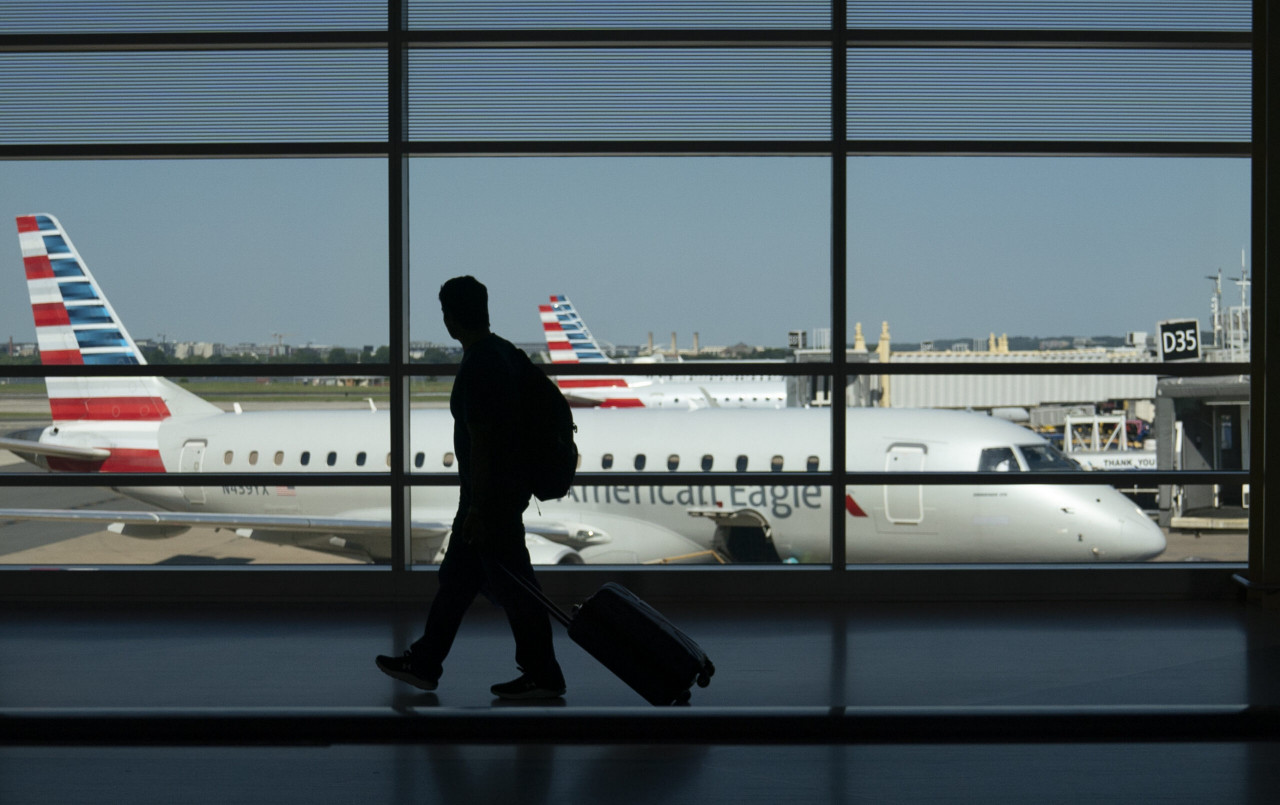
(734, 248)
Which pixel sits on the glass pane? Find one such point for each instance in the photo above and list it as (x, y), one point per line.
(217, 261)
(1049, 94)
(1021, 523)
(728, 254)
(762, 520)
(619, 94)
(765, 519)
(915, 523)
(193, 96)
(246, 425)
(734, 252)
(1189, 424)
(1211, 523)
(37, 529)
(227, 262)
(138, 16)
(1054, 253)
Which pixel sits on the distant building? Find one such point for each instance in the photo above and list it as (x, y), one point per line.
(196, 349)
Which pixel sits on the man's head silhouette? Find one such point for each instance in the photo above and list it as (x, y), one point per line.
(465, 304)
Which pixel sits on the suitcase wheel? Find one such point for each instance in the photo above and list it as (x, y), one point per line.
(704, 677)
(681, 698)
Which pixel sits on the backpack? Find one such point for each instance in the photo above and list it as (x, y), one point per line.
(550, 457)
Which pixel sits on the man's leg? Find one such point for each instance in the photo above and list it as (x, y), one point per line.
(530, 624)
(461, 576)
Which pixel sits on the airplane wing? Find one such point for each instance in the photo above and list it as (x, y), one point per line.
(617, 539)
(599, 539)
(577, 401)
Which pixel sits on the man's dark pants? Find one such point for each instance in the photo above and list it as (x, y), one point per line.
(465, 571)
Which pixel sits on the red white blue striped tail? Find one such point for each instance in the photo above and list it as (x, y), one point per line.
(76, 326)
(568, 339)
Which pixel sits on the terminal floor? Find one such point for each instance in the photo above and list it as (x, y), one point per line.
(221, 672)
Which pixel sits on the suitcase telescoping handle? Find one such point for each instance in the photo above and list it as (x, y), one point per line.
(533, 590)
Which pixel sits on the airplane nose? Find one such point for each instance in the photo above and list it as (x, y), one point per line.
(1143, 537)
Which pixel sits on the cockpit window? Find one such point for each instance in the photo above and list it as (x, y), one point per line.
(1046, 458)
(998, 459)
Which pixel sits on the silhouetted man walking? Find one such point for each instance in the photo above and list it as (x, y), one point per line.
(488, 532)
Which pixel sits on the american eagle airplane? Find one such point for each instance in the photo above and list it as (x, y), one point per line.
(148, 424)
(569, 341)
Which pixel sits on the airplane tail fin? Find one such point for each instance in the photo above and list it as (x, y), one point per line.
(77, 326)
(568, 339)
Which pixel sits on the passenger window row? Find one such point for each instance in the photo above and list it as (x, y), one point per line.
(447, 460)
(708, 462)
(330, 458)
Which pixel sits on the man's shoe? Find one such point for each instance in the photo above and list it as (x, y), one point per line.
(402, 668)
(526, 688)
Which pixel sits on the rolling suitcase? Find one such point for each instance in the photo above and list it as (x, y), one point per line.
(635, 641)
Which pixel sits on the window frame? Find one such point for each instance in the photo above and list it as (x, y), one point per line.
(836, 580)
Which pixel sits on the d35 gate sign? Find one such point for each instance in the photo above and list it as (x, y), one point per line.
(1180, 340)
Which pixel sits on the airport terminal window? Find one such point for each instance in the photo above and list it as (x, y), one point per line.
(944, 201)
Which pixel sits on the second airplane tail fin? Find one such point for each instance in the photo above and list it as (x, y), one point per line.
(568, 339)
(77, 326)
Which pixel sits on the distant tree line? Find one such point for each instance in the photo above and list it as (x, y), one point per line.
(300, 356)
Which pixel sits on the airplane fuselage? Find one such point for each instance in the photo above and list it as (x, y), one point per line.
(897, 523)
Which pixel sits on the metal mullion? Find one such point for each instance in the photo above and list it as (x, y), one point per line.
(1264, 561)
(619, 147)
(880, 478)
(852, 37)
(118, 479)
(212, 370)
(1066, 478)
(605, 38)
(1048, 148)
(70, 151)
(1049, 368)
(700, 368)
(1047, 38)
(398, 281)
(645, 479)
(193, 40)
(664, 478)
(839, 274)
